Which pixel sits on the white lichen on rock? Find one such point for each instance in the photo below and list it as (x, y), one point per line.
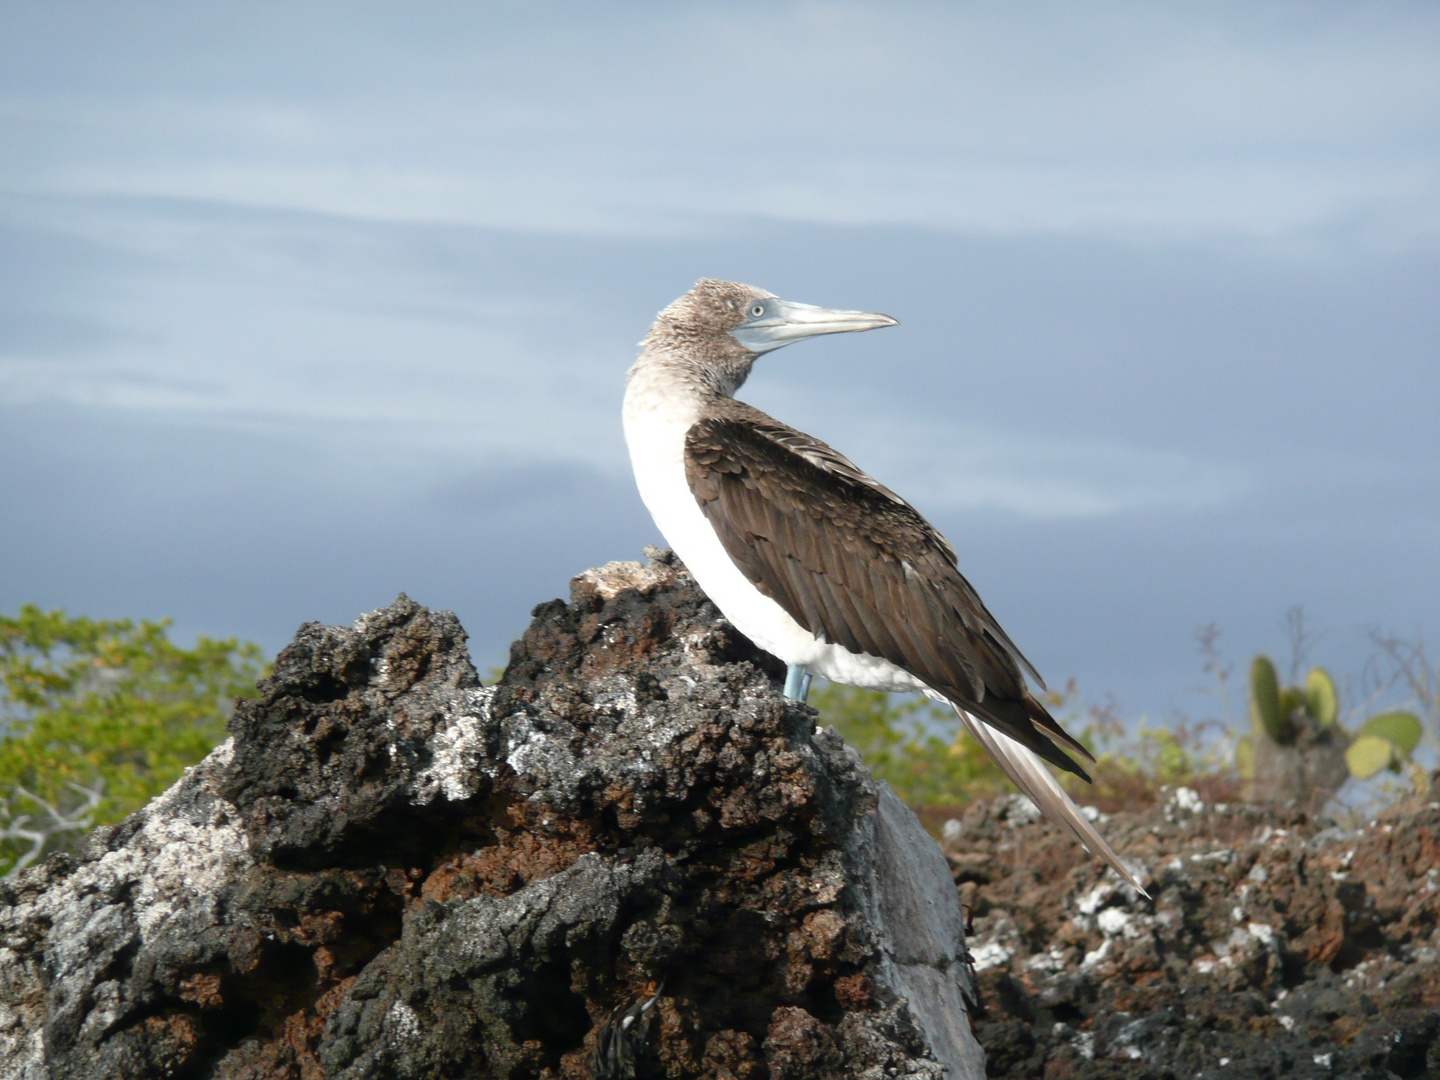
(614, 578)
(167, 874)
(458, 751)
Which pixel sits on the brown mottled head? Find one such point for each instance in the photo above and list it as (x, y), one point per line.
(712, 308)
(718, 328)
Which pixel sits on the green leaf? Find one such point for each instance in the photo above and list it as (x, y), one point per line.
(1401, 729)
(1321, 701)
(1368, 754)
(1265, 700)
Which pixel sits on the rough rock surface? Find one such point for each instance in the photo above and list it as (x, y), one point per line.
(1307, 771)
(392, 871)
(1277, 944)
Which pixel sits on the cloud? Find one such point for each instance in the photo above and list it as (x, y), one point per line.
(1119, 120)
(305, 303)
(50, 334)
(957, 468)
(294, 325)
(497, 350)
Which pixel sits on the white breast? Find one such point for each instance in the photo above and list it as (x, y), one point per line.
(658, 413)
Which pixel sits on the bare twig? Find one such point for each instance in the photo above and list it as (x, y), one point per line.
(54, 822)
(1301, 638)
(1402, 661)
(1209, 638)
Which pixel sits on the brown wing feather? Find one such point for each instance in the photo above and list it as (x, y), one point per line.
(855, 564)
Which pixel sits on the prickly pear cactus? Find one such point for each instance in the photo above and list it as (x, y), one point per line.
(1296, 750)
(1384, 742)
(1266, 713)
(1321, 701)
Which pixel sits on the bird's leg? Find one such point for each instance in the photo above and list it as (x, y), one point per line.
(797, 682)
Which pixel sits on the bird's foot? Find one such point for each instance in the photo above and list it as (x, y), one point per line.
(797, 682)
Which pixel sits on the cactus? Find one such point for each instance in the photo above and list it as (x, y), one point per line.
(1321, 702)
(1402, 729)
(1367, 755)
(1276, 709)
(1384, 742)
(1295, 744)
(1265, 708)
(1292, 701)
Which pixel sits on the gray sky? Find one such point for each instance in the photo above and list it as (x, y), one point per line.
(302, 305)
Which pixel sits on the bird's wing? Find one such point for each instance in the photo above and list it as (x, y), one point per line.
(856, 565)
(1030, 776)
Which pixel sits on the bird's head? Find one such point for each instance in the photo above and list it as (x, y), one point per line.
(724, 326)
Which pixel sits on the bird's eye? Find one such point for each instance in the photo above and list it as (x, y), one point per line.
(757, 311)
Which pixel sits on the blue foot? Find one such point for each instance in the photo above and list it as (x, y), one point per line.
(797, 682)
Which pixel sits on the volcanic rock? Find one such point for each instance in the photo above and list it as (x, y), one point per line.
(1278, 943)
(390, 870)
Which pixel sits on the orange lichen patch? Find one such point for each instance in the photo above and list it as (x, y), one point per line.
(318, 926)
(327, 1002)
(403, 882)
(672, 1036)
(289, 1053)
(203, 990)
(821, 933)
(171, 1042)
(1324, 937)
(573, 1065)
(617, 796)
(528, 846)
(175, 1032)
(324, 964)
(732, 1055)
(302, 1032)
(853, 992)
(798, 1044)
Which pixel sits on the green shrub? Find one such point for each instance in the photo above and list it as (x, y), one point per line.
(912, 744)
(99, 716)
(921, 750)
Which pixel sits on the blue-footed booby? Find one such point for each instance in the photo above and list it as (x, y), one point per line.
(809, 557)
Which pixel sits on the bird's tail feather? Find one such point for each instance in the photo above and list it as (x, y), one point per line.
(1031, 776)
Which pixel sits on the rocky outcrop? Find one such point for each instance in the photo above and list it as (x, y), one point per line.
(631, 853)
(1278, 943)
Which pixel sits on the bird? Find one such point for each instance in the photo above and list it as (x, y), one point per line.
(622, 1040)
(812, 559)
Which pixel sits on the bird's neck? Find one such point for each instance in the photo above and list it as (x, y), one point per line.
(675, 382)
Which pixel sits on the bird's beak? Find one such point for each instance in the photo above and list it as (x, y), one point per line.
(789, 322)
